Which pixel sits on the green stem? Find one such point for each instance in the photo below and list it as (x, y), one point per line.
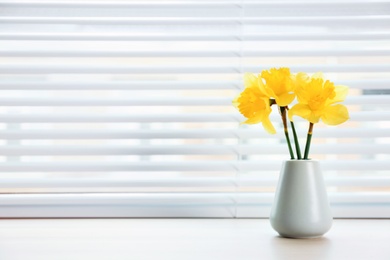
(283, 111)
(289, 144)
(308, 141)
(297, 148)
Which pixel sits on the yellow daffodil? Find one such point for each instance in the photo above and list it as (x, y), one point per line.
(317, 98)
(278, 85)
(253, 104)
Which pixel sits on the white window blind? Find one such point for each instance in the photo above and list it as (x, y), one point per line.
(123, 109)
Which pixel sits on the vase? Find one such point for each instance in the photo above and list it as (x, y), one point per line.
(301, 208)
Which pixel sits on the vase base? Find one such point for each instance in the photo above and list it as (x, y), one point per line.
(300, 237)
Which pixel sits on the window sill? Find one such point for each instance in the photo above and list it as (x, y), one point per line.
(185, 239)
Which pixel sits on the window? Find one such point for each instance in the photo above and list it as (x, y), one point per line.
(116, 109)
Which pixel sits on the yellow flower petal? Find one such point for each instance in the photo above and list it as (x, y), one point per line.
(301, 80)
(303, 111)
(314, 117)
(253, 104)
(285, 99)
(253, 120)
(341, 93)
(268, 126)
(335, 115)
(301, 77)
(250, 80)
(279, 85)
(318, 75)
(235, 101)
(267, 91)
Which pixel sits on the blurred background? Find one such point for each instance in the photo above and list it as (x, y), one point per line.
(135, 97)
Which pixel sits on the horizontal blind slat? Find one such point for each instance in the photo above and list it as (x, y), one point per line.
(365, 116)
(162, 199)
(308, 21)
(115, 118)
(163, 101)
(164, 85)
(204, 149)
(299, 36)
(206, 69)
(189, 4)
(174, 205)
(124, 85)
(192, 166)
(188, 54)
(180, 134)
(183, 182)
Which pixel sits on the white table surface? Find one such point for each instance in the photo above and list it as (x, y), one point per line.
(171, 239)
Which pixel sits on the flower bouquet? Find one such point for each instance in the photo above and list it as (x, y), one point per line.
(300, 208)
(317, 99)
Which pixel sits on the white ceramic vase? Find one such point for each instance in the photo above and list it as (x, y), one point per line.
(301, 207)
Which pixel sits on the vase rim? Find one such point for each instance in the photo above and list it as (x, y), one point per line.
(301, 161)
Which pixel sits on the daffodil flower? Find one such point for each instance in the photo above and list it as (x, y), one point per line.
(278, 85)
(253, 104)
(317, 98)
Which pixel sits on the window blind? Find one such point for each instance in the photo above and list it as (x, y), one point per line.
(123, 108)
